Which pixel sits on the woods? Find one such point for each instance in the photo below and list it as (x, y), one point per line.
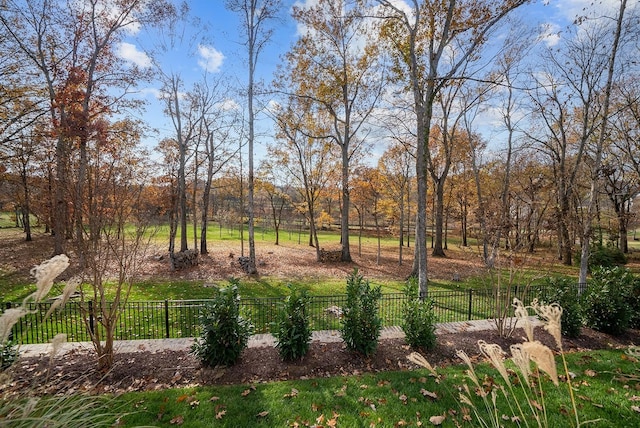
(413, 119)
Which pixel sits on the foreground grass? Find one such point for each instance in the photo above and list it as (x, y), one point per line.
(605, 383)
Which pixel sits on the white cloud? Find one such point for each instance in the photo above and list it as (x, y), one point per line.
(550, 34)
(130, 53)
(228, 105)
(571, 9)
(211, 59)
(154, 92)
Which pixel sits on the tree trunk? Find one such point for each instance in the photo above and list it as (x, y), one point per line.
(344, 218)
(438, 250)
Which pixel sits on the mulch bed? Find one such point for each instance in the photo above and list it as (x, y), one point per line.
(146, 370)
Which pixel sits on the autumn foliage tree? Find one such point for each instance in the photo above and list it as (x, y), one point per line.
(422, 38)
(334, 65)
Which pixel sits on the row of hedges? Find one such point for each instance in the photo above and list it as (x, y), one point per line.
(225, 333)
(610, 304)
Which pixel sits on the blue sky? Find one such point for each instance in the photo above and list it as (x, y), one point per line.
(218, 48)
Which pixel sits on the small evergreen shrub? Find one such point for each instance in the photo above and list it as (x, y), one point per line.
(361, 324)
(564, 292)
(225, 333)
(607, 300)
(602, 256)
(292, 329)
(419, 320)
(8, 354)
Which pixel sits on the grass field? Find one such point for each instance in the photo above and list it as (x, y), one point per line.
(604, 383)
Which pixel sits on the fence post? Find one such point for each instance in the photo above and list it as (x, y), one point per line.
(166, 317)
(470, 303)
(10, 336)
(91, 326)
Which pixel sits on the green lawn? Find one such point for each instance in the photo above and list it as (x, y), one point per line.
(390, 399)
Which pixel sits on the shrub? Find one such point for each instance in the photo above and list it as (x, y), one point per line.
(603, 256)
(225, 333)
(292, 329)
(606, 301)
(418, 321)
(634, 303)
(564, 292)
(361, 324)
(8, 354)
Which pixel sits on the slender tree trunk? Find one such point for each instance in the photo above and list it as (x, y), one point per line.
(438, 250)
(587, 232)
(401, 240)
(26, 221)
(344, 218)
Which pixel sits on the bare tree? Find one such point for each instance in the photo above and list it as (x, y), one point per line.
(335, 64)
(420, 37)
(255, 16)
(308, 160)
(603, 133)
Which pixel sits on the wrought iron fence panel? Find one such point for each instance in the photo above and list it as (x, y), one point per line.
(181, 318)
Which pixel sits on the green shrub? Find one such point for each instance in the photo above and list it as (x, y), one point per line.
(225, 333)
(292, 329)
(603, 256)
(361, 324)
(634, 303)
(564, 292)
(419, 320)
(8, 354)
(607, 300)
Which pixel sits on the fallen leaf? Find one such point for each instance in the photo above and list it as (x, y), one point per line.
(429, 394)
(403, 398)
(437, 420)
(293, 393)
(263, 414)
(246, 392)
(214, 398)
(635, 409)
(178, 420)
(537, 405)
(194, 403)
(590, 373)
(221, 414)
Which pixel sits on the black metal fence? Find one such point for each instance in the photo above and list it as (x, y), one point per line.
(180, 318)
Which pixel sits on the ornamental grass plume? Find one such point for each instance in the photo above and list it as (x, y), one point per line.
(8, 319)
(543, 357)
(45, 273)
(552, 317)
(522, 360)
(418, 359)
(522, 315)
(69, 288)
(494, 353)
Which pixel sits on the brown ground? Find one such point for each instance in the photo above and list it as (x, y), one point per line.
(173, 369)
(168, 369)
